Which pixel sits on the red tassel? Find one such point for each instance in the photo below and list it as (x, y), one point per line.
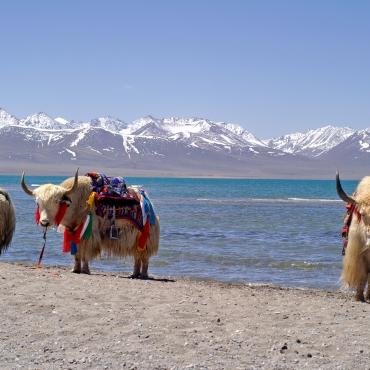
(144, 236)
(37, 215)
(71, 237)
(66, 242)
(61, 212)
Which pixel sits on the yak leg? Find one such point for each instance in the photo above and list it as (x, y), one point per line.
(77, 267)
(367, 295)
(85, 267)
(85, 262)
(137, 267)
(359, 296)
(144, 266)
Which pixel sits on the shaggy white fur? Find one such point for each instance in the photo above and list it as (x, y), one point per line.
(7, 220)
(49, 197)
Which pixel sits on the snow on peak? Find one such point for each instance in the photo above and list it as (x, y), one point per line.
(61, 120)
(312, 142)
(108, 123)
(186, 126)
(41, 121)
(192, 132)
(244, 134)
(7, 119)
(139, 123)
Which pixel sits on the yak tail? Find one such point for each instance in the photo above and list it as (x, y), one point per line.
(354, 263)
(7, 220)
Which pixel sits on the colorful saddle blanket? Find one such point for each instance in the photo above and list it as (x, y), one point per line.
(114, 201)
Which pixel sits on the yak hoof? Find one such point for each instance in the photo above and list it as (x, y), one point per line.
(144, 277)
(85, 271)
(134, 276)
(76, 271)
(360, 298)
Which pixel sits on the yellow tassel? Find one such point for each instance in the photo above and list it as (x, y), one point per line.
(90, 202)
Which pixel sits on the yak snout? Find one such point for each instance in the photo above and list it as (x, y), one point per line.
(44, 222)
(45, 218)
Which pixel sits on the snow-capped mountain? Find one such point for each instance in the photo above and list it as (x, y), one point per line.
(193, 145)
(7, 119)
(355, 149)
(311, 143)
(195, 132)
(175, 146)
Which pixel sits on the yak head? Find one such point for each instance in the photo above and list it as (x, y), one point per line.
(50, 198)
(361, 203)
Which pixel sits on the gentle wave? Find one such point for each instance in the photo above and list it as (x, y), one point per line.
(300, 265)
(271, 200)
(316, 200)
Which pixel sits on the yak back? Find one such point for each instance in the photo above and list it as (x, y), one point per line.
(362, 194)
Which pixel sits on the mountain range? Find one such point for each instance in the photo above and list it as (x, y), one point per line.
(177, 147)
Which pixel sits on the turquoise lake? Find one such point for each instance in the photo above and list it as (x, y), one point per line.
(285, 232)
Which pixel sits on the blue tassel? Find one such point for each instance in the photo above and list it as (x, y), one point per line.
(73, 248)
(149, 208)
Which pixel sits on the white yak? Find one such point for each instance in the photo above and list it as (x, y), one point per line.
(356, 261)
(75, 192)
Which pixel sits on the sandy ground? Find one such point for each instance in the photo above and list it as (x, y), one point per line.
(53, 319)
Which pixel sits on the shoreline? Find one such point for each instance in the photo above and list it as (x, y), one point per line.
(196, 279)
(52, 318)
(160, 175)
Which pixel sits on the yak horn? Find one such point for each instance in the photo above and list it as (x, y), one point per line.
(26, 189)
(342, 194)
(74, 186)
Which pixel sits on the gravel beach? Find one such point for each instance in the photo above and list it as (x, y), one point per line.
(54, 319)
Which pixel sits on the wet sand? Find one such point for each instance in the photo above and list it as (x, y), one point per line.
(54, 319)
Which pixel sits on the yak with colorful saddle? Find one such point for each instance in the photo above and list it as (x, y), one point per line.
(99, 215)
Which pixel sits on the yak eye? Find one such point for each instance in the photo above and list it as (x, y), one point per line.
(66, 199)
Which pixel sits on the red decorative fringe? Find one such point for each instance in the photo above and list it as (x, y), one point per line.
(37, 215)
(144, 236)
(58, 218)
(71, 237)
(61, 212)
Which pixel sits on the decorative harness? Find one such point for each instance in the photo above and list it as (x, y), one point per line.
(351, 210)
(63, 205)
(112, 200)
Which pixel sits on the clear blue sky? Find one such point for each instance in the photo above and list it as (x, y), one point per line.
(272, 66)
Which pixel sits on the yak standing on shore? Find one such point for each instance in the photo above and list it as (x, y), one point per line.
(356, 262)
(90, 230)
(7, 220)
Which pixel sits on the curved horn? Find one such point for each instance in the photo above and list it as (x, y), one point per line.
(74, 186)
(342, 194)
(26, 189)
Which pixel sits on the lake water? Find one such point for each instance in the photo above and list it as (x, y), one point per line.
(285, 232)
